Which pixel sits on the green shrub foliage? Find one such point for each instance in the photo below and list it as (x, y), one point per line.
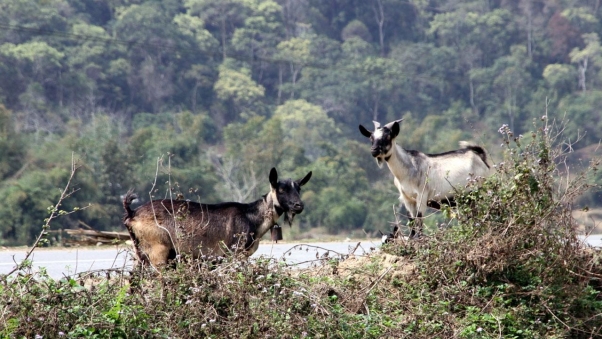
(510, 266)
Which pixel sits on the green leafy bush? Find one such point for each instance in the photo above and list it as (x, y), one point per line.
(512, 267)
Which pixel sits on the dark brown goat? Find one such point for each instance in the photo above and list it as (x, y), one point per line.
(162, 229)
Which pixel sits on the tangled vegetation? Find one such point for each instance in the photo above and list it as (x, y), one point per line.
(511, 266)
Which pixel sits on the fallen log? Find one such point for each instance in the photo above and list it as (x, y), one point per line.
(84, 237)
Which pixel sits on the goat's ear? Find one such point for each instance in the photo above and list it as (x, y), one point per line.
(395, 129)
(273, 177)
(365, 132)
(304, 180)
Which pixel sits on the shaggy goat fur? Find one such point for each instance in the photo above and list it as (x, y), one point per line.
(161, 229)
(425, 179)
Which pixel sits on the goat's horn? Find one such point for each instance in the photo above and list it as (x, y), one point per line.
(376, 124)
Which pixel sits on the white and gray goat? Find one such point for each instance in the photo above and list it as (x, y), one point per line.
(425, 179)
(161, 229)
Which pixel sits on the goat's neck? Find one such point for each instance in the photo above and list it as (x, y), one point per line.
(271, 211)
(399, 161)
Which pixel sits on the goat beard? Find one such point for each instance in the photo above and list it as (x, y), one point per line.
(379, 162)
(288, 217)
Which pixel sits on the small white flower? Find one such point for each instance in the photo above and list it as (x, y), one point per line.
(212, 320)
(39, 336)
(503, 129)
(61, 334)
(479, 330)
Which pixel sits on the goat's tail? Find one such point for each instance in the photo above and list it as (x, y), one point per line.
(127, 201)
(478, 150)
(129, 214)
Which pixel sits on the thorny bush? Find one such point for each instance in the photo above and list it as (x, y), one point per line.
(512, 266)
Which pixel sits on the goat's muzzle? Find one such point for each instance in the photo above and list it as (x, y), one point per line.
(297, 208)
(376, 151)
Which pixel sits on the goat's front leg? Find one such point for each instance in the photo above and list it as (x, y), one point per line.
(414, 218)
(420, 206)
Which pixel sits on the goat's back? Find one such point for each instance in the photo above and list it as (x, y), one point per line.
(190, 227)
(450, 170)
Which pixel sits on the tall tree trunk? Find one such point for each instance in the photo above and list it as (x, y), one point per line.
(376, 98)
(472, 104)
(223, 32)
(60, 89)
(529, 31)
(379, 15)
(194, 93)
(294, 72)
(279, 83)
(582, 79)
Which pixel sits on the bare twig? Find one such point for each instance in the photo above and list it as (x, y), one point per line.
(55, 213)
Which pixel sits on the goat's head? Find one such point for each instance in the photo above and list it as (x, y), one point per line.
(286, 195)
(390, 237)
(382, 139)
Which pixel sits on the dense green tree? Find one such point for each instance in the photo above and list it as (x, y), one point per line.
(222, 16)
(237, 88)
(590, 57)
(307, 126)
(202, 98)
(12, 147)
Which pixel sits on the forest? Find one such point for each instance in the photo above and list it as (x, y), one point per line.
(200, 98)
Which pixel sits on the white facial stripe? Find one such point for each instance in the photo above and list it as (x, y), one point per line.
(378, 134)
(293, 184)
(275, 198)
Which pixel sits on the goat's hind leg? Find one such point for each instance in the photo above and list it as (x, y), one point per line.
(416, 226)
(415, 217)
